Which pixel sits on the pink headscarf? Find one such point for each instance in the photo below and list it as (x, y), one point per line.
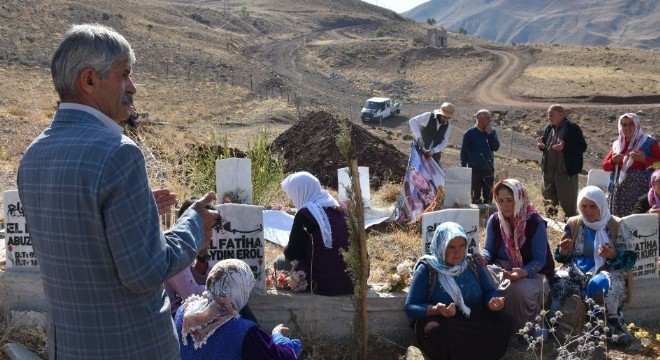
(522, 211)
(654, 199)
(619, 145)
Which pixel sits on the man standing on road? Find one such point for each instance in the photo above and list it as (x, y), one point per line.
(92, 217)
(563, 146)
(479, 143)
(431, 130)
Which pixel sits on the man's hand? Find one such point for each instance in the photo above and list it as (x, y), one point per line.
(442, 309)
(420, 144)
(559, 146)
(208, 216)
(540, 143)
(164, 200)
(489, 129)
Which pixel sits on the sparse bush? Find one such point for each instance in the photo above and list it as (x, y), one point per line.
(200, 19)
(462, 31)
(430, 21)
(380, 33)
(245, 13)
(267, 171)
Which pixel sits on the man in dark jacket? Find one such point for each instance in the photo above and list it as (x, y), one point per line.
(562, 144)
(479, 143)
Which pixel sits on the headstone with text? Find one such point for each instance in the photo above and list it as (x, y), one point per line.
(234, 181)
(644, 230)
(345, 181)
(458, 187)
(468, 218)
(20, 254)
(239, 234)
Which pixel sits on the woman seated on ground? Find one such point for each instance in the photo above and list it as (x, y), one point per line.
(517, 250)
(595, 255)
(631, 154)
(457, 315)
(318, 235)
(649, 203)
(192, 279)
(209, 326)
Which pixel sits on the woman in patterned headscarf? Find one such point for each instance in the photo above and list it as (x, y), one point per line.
(650, 202)
(318, 234)
(517, 248)
(595, 253)
(631, 154)
(210, 327)
(453, 306)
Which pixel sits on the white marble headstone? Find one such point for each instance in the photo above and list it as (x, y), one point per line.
(239, 234)
(345, 181)
(644, 229)
(234, 178)
(20, 254)
(458, 187)
(599, 178)
(468, 218)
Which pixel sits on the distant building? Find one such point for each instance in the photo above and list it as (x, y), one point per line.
(437, 37)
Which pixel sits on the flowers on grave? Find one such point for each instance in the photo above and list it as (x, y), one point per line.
(293, 280)
(401, 278)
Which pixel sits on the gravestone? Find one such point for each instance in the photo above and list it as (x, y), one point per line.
(644, 229)
(239, 234)
(458, 187)
(18, 245)
(599, 178)
(234, 180)
(468, 218)
(344, 181)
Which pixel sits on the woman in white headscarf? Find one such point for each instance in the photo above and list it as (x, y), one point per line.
(595, 253)
(210, 327)
(632, 153)
(454, 308)
(318, 235)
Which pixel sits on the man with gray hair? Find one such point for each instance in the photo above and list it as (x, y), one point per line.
(93, 218)
(479, 143)
(431, 130)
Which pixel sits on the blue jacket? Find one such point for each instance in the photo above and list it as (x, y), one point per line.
(477, 149)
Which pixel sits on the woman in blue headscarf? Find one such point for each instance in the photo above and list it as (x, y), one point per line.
(453, 306)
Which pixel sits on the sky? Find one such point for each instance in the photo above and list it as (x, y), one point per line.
(398, 6)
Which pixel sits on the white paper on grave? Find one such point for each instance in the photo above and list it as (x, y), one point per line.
(458, 183)
(644, 229)
(277, 224)
(234, 176)
(468, 218)
(239, 234)
(18, 245)
(345, 181)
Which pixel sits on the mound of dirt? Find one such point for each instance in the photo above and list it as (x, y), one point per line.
(311, 145)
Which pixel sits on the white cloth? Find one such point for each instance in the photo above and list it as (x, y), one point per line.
(596, 195)
(305, 191)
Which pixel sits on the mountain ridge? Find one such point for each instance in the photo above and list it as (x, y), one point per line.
(621, 23)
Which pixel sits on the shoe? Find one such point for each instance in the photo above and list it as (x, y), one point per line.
(618, 333)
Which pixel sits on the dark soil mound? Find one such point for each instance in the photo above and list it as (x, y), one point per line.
(311, 145)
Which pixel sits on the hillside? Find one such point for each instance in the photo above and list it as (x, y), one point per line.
(624, 23)
(209, 70)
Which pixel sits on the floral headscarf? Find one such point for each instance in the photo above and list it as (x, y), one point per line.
(513, 233)
(444, 233)
(595, 194)
(654, 199)
(619, 145)
(227, 291)
(305, 191)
